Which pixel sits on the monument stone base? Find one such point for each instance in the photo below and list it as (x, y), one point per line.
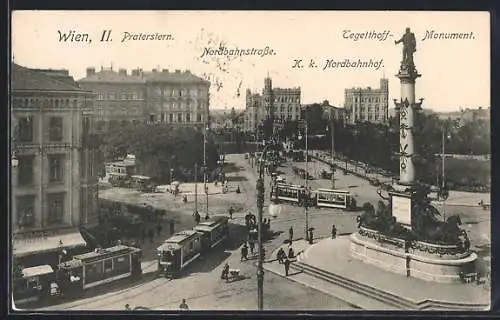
(426, 261)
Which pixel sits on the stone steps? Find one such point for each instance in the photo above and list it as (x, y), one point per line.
(391, 300)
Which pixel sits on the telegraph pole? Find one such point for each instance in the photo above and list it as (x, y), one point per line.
(196, 187)
(306, 209)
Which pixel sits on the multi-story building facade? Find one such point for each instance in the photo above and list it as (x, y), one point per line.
(54, 181)
(367, 104)
(179, 98)
(279, 103)
(120, 97)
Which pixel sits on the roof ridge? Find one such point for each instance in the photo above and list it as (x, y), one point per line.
(45, 77)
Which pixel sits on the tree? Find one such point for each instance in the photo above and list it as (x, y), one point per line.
(160, 147)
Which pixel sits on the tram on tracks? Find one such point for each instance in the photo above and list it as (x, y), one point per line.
(290, 193)
(328, 198)
(73, 277)
(185, 247)
(98, 267)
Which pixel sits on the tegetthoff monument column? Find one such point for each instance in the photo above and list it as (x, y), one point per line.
(406, 108)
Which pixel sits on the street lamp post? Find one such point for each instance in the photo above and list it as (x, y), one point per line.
(332, 148)
(443, 184)
(196, 187)
(260, 209)
(205, 166)
(306, 204)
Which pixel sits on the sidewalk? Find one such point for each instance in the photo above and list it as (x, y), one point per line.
(355, 300)
(332, 256)
(338, 261)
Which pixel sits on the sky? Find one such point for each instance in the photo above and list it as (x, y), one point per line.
(455, 72)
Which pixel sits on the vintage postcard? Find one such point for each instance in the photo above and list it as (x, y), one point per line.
(250, 160)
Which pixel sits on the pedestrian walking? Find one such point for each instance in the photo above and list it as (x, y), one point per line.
(231, 211)
(287, 266)
(290, 234)
(197, 217)
(172, 227)
(291, 253)
(158, 229)
(334, 231)
(183, 305)
(311, 236)
(151, 234)
(280, 255)
(244, 252)
(252, 247)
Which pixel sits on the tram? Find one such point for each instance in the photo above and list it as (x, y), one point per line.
(35, 284)
(288, 193)
(98, 267)
(328, 198)
(184, 247)
(213, 231)
(178, 251)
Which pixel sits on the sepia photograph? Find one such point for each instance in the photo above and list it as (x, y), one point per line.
(179, 161)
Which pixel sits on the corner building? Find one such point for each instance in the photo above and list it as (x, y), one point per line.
(54, 182)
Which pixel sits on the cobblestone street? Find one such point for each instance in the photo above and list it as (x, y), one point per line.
(201, 285)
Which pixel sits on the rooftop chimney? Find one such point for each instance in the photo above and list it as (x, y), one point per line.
(135, 72)
(164, 70)
(90, 71)
(187, 71)
(122, 71)
(177, 71)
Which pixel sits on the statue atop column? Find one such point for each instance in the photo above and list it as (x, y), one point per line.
(409, 47)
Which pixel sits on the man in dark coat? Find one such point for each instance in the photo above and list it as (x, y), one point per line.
(311, 236)
(287, 266)
(290, 234)
(334, 231)
(244, 252)
(231, 211)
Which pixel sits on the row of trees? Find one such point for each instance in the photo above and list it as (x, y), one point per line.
(159, 148)
(378, 144)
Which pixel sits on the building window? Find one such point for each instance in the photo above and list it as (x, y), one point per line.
(163, 117)
(171, 117)
(56, 207)
(25, 170)
(56, 168)
(188, 117)
(56, 128)
(25, 211)
(25, 129)
(198, 117)
(124, 96)
(179, 117)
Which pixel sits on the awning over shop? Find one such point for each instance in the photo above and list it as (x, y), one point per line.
(25, 247)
